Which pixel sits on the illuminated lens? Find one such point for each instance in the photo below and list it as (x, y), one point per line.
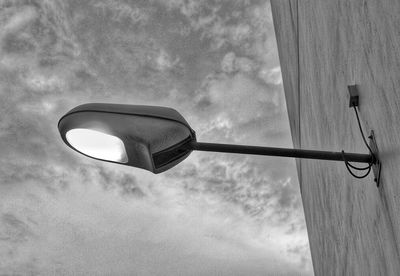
(97, 144)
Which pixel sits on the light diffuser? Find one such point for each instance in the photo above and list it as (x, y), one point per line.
(97, 144)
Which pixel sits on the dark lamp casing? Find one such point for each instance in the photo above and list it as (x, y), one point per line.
(154, 137)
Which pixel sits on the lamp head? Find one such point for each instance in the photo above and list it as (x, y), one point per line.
(148, 137)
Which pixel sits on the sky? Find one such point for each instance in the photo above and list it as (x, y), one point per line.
(216, 62)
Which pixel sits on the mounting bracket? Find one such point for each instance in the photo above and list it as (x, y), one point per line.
(377, 165)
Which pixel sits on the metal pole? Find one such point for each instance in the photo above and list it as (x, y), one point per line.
(296, 153)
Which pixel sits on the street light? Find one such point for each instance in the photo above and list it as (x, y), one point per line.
(157, 138)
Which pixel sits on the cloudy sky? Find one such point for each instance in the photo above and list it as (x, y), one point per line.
(215, 62)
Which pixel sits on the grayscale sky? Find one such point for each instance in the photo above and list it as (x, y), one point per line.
(216, 62)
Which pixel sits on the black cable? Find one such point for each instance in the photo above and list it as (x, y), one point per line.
(347, 163)
(358, 176)
(365, 142)
(362, 132)
(358, 168)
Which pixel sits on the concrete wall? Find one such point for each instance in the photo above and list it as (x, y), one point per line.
(325, 45)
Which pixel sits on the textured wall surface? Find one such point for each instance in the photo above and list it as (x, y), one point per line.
(353, 226)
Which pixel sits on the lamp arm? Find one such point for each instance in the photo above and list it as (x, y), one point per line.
(285, 152)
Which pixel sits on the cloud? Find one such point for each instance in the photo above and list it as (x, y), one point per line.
(19, 19)
(121, 10)
(15, 230)
(267, 198)
(273, 75)
(213, 214)
(239, 108)
(231, 64)
(92, 230)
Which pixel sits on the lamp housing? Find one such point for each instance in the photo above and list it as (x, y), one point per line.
(153, 138)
